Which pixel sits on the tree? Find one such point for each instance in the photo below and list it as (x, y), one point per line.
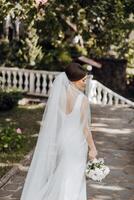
(62, 29)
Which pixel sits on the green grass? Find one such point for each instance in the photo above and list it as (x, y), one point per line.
(28, 119)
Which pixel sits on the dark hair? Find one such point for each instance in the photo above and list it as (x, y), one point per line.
(75, 72)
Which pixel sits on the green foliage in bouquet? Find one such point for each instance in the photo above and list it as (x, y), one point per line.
(94, 165)
(11, 138)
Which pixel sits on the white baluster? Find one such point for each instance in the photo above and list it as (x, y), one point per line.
(3, 79)
(14, 79)
(104, 100)
(122, 102)
(44, 84)
(9, 79)
(26, 81)
(94, 94)
(99, 95)
(116, 100)
(38, 83)
(110, 96)
(50, 76)
(20, 73)
(32, 81)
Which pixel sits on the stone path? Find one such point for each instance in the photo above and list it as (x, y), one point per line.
(113, 132)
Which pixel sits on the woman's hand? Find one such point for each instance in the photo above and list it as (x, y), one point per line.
(92, 153)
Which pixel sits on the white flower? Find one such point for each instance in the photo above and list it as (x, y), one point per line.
(91, 173)
(106, 170)
(95, 160)
(94, 177)
(41, 1)
(89, 67)
(101, 160)
(97, 172)
(18, 130)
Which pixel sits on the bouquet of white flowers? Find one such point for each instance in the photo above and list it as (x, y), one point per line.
(96, 169)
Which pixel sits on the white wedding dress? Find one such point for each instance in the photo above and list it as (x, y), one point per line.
(68, 180)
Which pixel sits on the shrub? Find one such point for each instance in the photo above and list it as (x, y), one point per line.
(9, 99)
(11, 138)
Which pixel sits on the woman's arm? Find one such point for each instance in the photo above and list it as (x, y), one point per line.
(93, 151)
(89, 137)
(85, 115)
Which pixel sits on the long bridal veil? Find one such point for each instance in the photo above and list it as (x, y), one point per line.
(62, 98)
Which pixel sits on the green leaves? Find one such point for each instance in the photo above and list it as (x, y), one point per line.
(51, 28)
(10, 139)
(9, 99)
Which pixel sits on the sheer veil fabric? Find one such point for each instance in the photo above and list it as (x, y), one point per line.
(66, 115)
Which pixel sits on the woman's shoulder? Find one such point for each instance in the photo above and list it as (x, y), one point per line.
(85, 99)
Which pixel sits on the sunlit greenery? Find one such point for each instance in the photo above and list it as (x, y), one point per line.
(47, 34)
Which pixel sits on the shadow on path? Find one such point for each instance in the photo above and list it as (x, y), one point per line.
(113, 132)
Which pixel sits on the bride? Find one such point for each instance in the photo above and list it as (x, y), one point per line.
(57, 170)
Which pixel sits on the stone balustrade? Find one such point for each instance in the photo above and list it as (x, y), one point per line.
(34, 82)
(100, 94)
(38, 83)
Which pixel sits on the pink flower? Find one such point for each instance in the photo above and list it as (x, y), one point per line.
(18, 130)
(41, 2)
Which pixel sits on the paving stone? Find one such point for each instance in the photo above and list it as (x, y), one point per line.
(17, 194)
(113, 132)
(4, 193)
(11, 186)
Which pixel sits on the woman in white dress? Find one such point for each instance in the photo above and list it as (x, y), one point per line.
(57, 169)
